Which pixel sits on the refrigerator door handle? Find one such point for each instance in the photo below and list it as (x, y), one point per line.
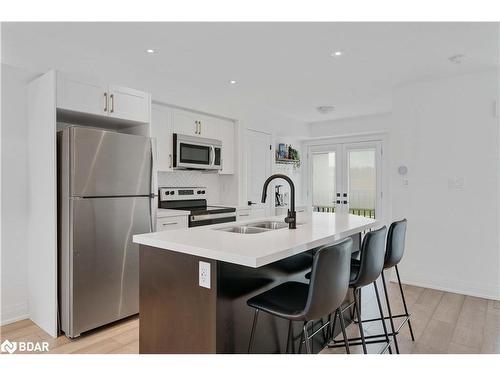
(154, 188)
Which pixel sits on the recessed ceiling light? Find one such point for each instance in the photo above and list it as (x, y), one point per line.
(150, 50)
(337, 53)
(456, 59)
(324, 109)
(232, 82)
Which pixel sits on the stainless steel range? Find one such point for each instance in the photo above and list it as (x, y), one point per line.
(194, 199)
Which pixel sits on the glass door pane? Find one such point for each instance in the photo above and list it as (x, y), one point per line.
(362, 181)
(323, 181)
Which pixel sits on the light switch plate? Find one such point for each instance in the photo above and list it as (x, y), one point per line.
(204, 274)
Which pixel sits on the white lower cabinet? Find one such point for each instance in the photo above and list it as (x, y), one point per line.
(250, 213)
(171, 222)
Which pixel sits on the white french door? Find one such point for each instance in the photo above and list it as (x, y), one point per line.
(346, 178)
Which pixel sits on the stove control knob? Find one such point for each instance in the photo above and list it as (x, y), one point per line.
(167, 193)
(198, 192)
(203, 192)
(172, 192)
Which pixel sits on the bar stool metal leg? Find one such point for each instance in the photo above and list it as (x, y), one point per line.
(360, 324)
(289, 339)
(252, 334)
(404, 303)
(382, 317)
(342, 327)
(306, 338)
(390, 314)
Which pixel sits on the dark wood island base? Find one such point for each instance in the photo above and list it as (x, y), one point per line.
(177, 316)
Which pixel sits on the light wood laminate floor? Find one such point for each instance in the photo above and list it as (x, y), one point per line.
(442, 323)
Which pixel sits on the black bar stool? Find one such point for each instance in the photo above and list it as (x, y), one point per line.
(297, 301)
(363, 273)
(393, 254)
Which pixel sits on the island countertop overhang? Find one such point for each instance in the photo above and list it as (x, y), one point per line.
(256, 250)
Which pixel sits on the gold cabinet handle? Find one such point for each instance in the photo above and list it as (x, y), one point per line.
(112, 99)
(105, 102)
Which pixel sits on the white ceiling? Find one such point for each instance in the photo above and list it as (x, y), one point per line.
(285, 68)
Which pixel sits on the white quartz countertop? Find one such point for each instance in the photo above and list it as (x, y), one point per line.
(258, 249)
(167, 212)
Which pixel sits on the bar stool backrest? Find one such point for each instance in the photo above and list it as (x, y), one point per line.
(395, 246)
(371, 258)
(329, 279)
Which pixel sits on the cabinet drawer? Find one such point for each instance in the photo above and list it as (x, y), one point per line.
(172, 222)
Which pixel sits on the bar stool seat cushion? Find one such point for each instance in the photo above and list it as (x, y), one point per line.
(286, 300)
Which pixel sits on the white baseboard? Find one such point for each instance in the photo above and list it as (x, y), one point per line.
(452, 286)
(14, 313)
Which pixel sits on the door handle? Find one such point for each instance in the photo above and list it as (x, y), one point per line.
(213, 155)
(112, 100)
(170, 160)
(105, 102)
(199, 122)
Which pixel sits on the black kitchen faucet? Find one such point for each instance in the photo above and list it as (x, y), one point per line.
(291, 218)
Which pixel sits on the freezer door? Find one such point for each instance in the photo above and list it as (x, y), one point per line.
(105, 261)
(105, 163)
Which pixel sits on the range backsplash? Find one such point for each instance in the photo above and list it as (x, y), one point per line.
(193, 179)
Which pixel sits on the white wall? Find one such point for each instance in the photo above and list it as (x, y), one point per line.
(14, 277)
(444, 131)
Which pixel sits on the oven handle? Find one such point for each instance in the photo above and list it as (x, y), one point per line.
(212, 216)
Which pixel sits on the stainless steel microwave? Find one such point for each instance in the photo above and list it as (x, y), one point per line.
(196, 152)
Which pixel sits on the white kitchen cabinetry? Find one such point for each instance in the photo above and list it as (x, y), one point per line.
(161, 130)
(171, 222)
(166, 120)
(128, 104)
(226, 132)
(81, 96)
(111, 101)
(250, 213)
(195, 124)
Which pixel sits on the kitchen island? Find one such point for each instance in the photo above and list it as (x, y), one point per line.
(178, 315)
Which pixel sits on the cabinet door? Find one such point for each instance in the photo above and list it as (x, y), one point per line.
(185, 122)
(226, 135)
(129, 104)
(79, 96)
(209, 127)
(161, 129)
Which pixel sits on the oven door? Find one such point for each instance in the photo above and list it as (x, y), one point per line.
(196, 153)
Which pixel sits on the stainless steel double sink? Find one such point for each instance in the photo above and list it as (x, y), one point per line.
(258, 227)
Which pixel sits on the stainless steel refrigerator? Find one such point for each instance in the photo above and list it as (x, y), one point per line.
(106, 194)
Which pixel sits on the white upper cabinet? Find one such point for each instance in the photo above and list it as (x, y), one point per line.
(128, 104)
(185, 122)
(226, 135)
(195, 124)
(161, 130)
(102, 99)
(81, 96)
